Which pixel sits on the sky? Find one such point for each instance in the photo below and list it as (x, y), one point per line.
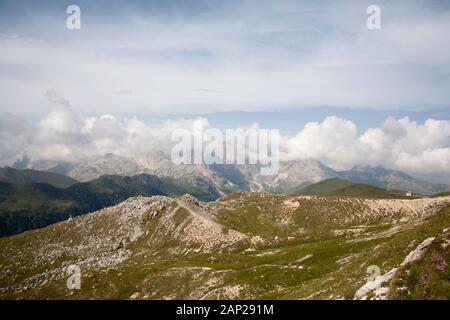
(290, 65)
(216, 56)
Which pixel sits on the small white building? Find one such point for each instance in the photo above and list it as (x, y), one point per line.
(409, 194)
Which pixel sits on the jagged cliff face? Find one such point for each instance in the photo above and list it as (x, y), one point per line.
(108, 164)
(230, 178)
(246, 245)
(223, 179)
(219, 179)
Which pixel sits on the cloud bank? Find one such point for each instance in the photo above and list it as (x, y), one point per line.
(70, 136)
(397, 143)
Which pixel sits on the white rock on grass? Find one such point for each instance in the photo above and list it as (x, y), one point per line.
(376, 285)
(370, 286)
(418, 252)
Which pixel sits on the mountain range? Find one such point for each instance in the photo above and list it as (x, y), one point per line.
(338, 187)
(224, 179)
(204, 232)
(31, 199)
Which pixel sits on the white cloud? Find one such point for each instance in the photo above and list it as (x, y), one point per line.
(252, 55)
(410, 146)
(398, 143)
(332, 140)
(66, 135)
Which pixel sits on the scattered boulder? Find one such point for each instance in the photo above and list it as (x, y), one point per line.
(417, 253)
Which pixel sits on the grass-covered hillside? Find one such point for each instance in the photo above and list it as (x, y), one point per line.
(345, 188)
(246, 245)
(28, 176)
(322, 187)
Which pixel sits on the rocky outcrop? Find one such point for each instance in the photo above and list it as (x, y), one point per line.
(379, 287)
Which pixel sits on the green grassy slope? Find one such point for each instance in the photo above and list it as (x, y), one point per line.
(299, 188)
(367, 191)
(28, 176)
(442, 194)
(319, 249)
(324, 187)
(345, 188)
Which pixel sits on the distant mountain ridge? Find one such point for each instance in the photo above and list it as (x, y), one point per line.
(345, 188)
(36, 205)
(28, 176)
(391, 179)
(323, 187)
(290, 175)
(224, 179)
(91, 168)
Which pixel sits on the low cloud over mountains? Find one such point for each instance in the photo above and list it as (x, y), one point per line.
(64, 134)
